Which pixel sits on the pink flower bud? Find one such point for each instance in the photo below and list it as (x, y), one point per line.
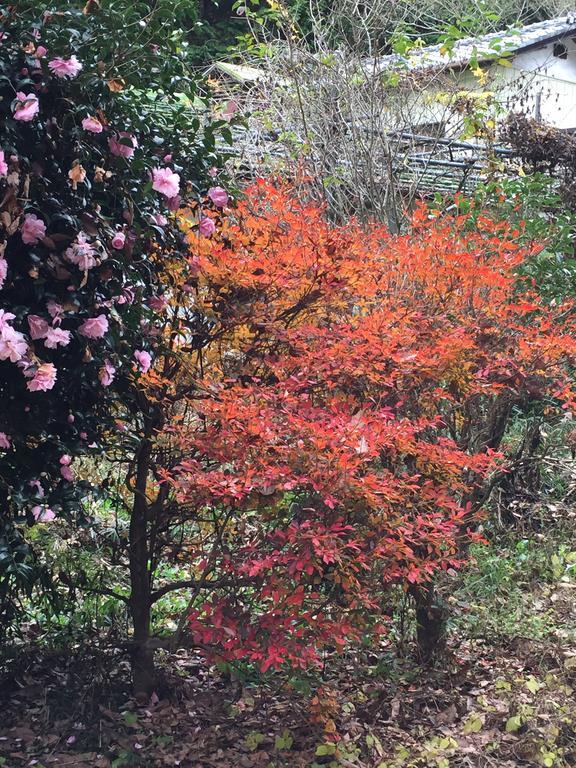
(119, 240)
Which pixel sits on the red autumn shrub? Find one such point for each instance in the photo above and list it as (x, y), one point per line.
(348, 405)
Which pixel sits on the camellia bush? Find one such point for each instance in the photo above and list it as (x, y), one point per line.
(103, 136)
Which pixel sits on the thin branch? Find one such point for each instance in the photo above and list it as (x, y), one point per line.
(196, 585)
(104, 591)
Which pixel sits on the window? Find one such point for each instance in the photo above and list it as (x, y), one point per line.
(560, 51)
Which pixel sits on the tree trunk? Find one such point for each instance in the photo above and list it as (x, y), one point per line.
(431, 616)
(143, 671)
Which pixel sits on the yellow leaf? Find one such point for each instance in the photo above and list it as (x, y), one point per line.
(253, 740)
(473, 724)
(533, 685)
(513, 723)
(480, 74)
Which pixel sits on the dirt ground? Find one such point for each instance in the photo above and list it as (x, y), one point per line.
(486, 704)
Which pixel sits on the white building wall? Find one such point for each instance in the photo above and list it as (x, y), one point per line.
(535, 82)
(540, 84)
(543, 61)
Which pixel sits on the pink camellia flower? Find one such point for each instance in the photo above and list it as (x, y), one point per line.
(143, 359)
(3, 272)
(106, 373)
(44, 378)
(165, 181)
(219, 196)
(119, 240)
(158, 303)
(13, 345)
(3, 164)
(81, 253)
(54, 310)
(167, 158)
(38, 486)
(94, 327)
(5, 318)
(56, 336)
(38, 327)
(33, 229)
(194, 268)
(206, 226)
(40, 52)
(159, 219)
(5, 441)
(43, 514)
(213, 172)
(65, 67)
(128, 294)
(67, 474)
(121, 149)
(92, 124)
(65, 460)
(26, 107)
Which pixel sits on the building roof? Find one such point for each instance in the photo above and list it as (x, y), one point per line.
(485, 47)
(240, 73)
